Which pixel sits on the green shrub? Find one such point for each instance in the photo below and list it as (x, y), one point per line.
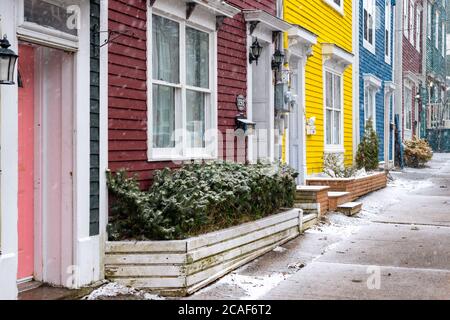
(197, 198)
(367, 154)
(417, 152)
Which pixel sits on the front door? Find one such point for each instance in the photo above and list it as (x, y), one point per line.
(45, 199)
(26, 162)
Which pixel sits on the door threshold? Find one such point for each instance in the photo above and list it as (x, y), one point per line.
(27, 285)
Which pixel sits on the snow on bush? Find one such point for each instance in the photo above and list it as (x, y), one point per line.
(417, 152)
(196, 199)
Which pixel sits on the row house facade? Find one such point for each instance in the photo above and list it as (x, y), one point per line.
(184, 76)
(376, 61)
(53, 207)
(412, 67)
(326, 77)
(435, 66)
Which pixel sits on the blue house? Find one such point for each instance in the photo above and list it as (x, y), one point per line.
(376, 85)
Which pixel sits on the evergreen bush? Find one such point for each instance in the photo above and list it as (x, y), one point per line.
(367, 154)
(196, 199)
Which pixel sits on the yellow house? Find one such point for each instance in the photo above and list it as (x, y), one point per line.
(319, 53)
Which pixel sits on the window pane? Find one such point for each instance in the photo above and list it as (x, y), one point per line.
(329, 89)
(337, 92)
(166, 53)
(195, 118)
(337, 127)
(163, 116)
(329, 128)
(49, 15)
(197, 58)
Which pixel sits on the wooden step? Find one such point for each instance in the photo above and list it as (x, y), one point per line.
(337, 198)
(350, 208)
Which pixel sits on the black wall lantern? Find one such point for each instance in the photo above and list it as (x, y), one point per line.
(277, 60)
(8, 59)
(255, 52)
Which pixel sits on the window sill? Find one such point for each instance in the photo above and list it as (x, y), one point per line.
(369, 47)
(334, 149)
(181, 158)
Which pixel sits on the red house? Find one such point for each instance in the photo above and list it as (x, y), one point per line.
(412, 66)
(178, 71)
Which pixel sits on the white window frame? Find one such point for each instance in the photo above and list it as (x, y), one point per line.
(418, 29)
(181, 151)
(388, 30)
(370, 7)
(333, 148)
(437, 17)
(335, 6)
(411, 22)
(408, 108)
(429, 19)
(443, 33)
(372, 93)
(406, 18)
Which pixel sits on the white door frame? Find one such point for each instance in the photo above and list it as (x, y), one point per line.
(298, 63)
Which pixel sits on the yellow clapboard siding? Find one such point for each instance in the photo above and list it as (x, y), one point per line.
(330, 27)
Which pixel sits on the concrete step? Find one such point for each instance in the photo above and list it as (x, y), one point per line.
(337, 198)
(350, 208)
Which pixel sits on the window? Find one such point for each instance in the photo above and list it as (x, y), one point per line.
(429, 15)
(333, 109)
(436, 29)
(443, 40)
(49, 15)
(408, 109)
(387, 23)
(369, 25)
(337, 5)
(370, 106)
(411, 22)
(418, 29)
(405, 18)
(181, 96)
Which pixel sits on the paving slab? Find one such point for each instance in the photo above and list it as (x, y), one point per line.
(321, 280)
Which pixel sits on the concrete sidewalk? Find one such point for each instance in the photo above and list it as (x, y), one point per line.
(397, 248)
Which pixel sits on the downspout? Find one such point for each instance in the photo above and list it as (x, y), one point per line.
(424, 68)
(356, 77)
(398, 62)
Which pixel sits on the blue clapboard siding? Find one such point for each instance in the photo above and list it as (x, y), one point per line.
(94, 207)
(375, 64)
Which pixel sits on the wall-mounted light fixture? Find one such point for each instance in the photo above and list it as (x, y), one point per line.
(247, 126)
(255, 51)
(277, 60)
(8, 59)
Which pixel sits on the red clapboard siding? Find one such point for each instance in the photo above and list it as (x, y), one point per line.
(128, 88)
(412, 61)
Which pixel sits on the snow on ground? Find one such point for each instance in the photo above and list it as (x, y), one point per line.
(409, 185)
(253, 286)
(114, 289)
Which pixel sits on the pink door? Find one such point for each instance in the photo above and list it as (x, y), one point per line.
(26, 163)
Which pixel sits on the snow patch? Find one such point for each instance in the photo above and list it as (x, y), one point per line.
(254, 286)
(114, 289)
(410, 185)
(279, 249)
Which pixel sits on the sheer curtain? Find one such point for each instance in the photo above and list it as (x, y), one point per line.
(165, 61)
(197, 76)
